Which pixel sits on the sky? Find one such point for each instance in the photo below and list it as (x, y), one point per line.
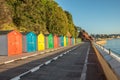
(94, 16)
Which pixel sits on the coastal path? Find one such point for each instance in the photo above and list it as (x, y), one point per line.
(76, 63)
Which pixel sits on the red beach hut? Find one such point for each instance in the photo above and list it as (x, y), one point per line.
(10, 42)
(56, 41)
(69, 41)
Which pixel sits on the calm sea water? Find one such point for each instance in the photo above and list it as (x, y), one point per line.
(114, 45)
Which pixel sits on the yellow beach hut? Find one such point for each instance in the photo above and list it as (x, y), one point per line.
(41, 42)
(64, 40)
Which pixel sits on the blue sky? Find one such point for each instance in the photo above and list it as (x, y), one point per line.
(95, 16)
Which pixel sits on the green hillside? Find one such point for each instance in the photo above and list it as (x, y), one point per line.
(36, 15)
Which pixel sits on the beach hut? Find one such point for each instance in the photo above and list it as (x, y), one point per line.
(46, 41)
(10, 43)
(73, 40)
(49, 41)
(61, 41)
(69, 41)
(41, 41)
(56, 41)
(64, 40)
(29, 42)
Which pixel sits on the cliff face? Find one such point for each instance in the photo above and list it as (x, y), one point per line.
(5, 14)
(84, 35)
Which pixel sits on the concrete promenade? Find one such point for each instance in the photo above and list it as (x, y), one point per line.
(77, 62)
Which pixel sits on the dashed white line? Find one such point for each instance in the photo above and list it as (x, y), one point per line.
(64, 53)
(37, 67)
(83, 75)
(60, 55)
(16, 78)
(47, 62)
(55, 58)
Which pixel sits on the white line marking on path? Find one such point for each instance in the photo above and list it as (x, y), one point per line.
(60, 55)
(64, 53)
(47, 62)
(37, 67)
(55, 58)
(18, 77)
(83, 75)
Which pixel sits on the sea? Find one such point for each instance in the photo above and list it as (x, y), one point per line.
(113, 45)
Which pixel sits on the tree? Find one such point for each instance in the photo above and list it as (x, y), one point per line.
(70, 26)
(41, 16)
(5, 14)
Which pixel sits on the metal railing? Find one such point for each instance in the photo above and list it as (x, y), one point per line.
(109, 51)
(109, 73)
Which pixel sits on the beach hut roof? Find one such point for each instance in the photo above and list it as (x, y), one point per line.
(46, 32)
(25, 33)
(40, 33)
(5, 32)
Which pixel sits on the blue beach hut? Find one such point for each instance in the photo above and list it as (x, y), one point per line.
(29, 42)
(73, 41)
(61, 41)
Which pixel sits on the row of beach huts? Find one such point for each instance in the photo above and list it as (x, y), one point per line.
(14, 42)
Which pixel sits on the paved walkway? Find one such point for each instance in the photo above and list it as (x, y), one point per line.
(19, 66)
(73, 63)
(94, 70)
(67, 67)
